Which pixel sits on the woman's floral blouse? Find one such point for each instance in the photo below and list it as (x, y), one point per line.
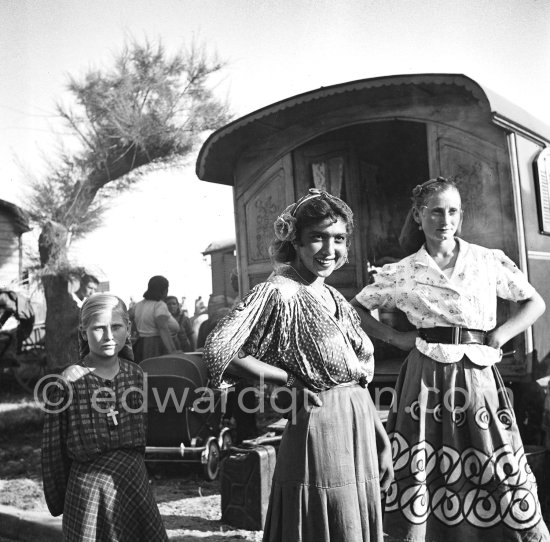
(418, 287)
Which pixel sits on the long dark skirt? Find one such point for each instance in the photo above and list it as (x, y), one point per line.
(325, 485)
(461, 474)
(110, 500)
(149, 347)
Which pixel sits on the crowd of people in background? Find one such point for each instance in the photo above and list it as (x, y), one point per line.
(160, 323)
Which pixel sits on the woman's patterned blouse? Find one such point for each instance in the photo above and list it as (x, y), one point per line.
(417, 286)
(284, 323)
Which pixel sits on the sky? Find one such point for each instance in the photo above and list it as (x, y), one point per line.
(274, 49)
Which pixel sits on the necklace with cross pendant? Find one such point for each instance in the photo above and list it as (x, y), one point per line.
(112, 415)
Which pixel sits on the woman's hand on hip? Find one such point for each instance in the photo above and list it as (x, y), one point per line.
(290, 400)
(496, 338)
(404, 340)
(304, 396)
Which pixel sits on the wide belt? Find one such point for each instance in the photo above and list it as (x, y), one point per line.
(452, 335)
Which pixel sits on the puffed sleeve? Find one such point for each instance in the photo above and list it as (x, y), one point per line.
(55, 461)
(382, 292)
(511, 282)
(249, 318)
(161, 309)
(360, 342)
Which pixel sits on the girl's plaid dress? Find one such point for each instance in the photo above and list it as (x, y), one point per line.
(92, 461)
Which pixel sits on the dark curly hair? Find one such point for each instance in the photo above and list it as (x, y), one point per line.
(311, 211)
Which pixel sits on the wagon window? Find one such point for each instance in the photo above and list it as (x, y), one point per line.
(328, 175)
(542, 168)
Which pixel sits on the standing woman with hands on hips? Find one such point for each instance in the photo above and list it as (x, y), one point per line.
(461, 472)
(295, 330)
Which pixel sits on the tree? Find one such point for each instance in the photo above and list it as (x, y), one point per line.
(148, 110)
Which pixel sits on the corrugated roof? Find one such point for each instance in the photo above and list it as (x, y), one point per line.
(20, 218)
(220, 152)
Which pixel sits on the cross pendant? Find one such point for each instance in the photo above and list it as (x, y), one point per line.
(112, 414)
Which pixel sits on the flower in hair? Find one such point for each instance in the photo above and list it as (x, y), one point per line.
(417, 190)
(285, 225)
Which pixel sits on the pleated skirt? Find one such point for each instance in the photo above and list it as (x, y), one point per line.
(326, 485)
(110, 500)
(461, 474)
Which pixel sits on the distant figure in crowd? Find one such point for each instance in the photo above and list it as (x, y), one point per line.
(16, 322)
(234, 279)
(201, 314)
(461, 474)
(94, 436)
(218, 307)
(88, 286)
(155, 326)
(185, 333)
(293, 330)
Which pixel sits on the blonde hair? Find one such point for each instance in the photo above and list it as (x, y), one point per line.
(95, 304)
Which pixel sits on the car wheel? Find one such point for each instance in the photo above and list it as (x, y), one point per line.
(211, 467)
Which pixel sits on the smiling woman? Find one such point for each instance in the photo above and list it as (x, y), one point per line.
(295, 331)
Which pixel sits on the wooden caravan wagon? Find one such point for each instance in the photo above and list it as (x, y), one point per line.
(371, 141)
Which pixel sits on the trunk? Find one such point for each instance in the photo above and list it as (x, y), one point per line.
(61, 322)
(62, 312)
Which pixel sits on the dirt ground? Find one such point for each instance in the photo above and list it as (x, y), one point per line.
(190, 506)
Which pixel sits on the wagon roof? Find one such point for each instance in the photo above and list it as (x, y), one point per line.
(20, 218)
(220, 152)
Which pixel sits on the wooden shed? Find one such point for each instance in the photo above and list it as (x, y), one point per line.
(13, 223)
(223, 262)
(371, 141)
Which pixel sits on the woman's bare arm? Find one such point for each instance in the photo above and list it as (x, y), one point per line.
(528, 313)
(164, 332)
(383, 448)
(250, 368)
(404, 340)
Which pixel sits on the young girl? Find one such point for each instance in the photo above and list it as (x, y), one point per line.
(94, 436)
(460, 469)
